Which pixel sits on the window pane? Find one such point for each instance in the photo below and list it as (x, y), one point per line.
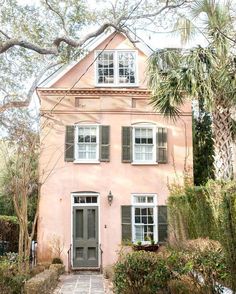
(137, 219)
(139, 233)
(144, 219)
(144, 211)
(94, 199)
(150, 199)
(137, 211)
(150, 220)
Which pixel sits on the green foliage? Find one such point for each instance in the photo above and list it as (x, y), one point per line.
(11, 281)
(201, 73)
(147, 273)
(9, 230)
(189, 213)
(203, 149)
(40, 25)
(210, 213)
(227, 227)
(57, 260)
(141, 273)
(8, 218)
(206, 74)
(6, 205)
(205, 260)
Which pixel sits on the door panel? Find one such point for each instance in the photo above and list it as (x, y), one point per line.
(85, 236)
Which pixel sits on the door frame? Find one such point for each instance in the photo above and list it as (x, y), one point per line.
(95, 194)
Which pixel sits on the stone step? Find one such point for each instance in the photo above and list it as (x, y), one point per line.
(86, 271)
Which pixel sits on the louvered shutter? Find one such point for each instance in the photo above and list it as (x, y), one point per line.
(104, 143)
(69, 143)
(126, 144)
(162, 223)
(162, 145)
(126, 226)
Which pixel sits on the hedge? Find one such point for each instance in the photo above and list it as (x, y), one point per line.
(9, 232)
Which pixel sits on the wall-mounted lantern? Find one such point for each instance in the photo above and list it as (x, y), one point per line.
(110, 198)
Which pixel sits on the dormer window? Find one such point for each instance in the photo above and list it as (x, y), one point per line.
(116, 68)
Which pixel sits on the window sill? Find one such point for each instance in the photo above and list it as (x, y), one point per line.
(86, 162)
(144, 163)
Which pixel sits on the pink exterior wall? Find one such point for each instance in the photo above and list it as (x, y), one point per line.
(60, 178)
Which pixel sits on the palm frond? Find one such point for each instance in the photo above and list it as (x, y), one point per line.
(185, 28)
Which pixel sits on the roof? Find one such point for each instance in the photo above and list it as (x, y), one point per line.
(89, 46)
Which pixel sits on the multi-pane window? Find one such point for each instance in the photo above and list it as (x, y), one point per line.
(85, 199)
(144, 220)
(87, 143)
(105, 67)
(126, 61)
(116, 68)
(144, 144)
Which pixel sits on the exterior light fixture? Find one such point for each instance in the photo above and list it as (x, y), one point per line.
(110, 198)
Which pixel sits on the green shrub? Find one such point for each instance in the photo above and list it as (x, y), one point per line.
(11, 281)
(208, 211)
(57, 260)
(141, 273)
(203, 260)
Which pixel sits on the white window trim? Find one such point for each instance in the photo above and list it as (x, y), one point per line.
(116, 73)
(145, 162)
(76, 144)
(141, 205)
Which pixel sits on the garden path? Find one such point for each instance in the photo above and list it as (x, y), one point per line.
(80, 284)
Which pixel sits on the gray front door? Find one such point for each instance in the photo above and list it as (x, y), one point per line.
(85, 236)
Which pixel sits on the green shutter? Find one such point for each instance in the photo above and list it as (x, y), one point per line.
(126, 144)
(104, 143)
(162, 145)
(126, 228)
(69, 143)
(162, 223)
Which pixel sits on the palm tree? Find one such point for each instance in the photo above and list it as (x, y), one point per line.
(201, 73)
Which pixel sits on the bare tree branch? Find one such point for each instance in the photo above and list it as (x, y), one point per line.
(25, 102)
(58, 14)
(157, 12)
(4, 34)
(54, 49)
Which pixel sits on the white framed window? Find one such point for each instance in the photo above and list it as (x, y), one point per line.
(144, 218)
(86, 143)
(144, 144)
(116, 68)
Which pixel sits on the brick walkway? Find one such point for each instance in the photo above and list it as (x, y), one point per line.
(80, 284)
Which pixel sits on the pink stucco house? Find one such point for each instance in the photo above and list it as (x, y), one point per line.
(106, 156)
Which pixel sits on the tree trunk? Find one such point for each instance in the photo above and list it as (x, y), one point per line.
(222, 136)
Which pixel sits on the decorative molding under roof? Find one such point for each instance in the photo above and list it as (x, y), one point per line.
(94, 91)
